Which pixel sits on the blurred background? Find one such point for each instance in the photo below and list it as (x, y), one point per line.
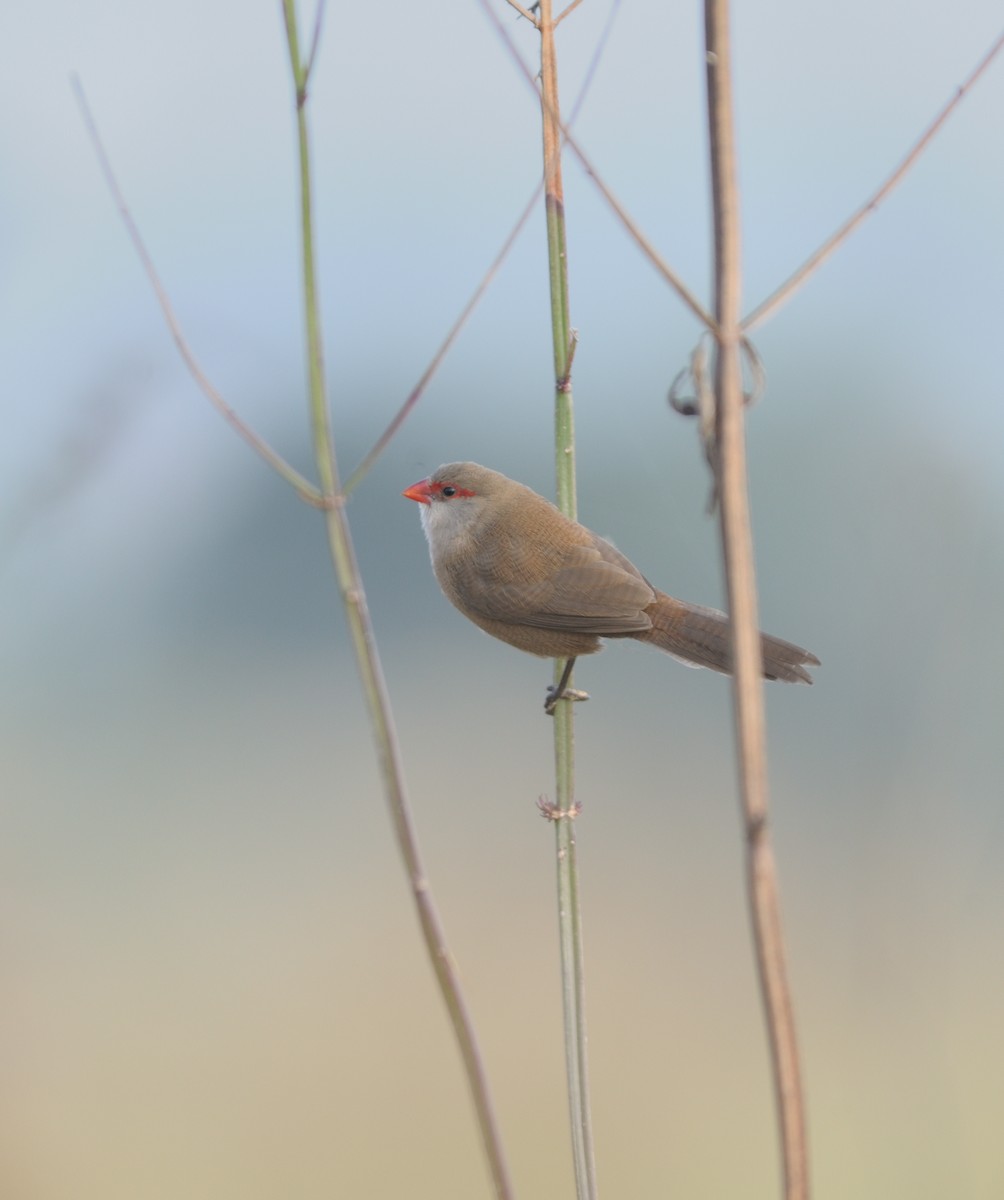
(212, 981)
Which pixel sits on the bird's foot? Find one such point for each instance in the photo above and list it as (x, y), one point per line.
(554, 695)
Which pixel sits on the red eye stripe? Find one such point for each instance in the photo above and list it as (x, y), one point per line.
(449, 491)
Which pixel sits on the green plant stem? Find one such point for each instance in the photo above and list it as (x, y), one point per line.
(740, 577)
(569, 912)
(364, 643)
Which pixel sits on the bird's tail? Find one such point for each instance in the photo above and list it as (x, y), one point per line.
(700, 637)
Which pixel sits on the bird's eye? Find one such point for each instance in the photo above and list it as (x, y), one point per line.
(449, 490)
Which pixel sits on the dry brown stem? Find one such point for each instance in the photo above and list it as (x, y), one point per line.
(737, 549)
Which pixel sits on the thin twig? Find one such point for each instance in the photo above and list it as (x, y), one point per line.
(566, 12)
(795, 281)
(524, 12)
(315, 41)
(368, 661)
(650, 252)
(737, 548)
(306, 490)
(419, 389)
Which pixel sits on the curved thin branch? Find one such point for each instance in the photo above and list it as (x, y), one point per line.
(567, 12)
(416, 393)
(315, 40)
(418, 390)
(795, 281)
(304, 488)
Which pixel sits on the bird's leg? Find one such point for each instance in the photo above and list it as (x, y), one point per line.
(563, 691)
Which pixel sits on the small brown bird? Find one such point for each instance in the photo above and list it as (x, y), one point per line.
(525, 573)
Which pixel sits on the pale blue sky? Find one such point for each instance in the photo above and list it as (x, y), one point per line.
(425, 139)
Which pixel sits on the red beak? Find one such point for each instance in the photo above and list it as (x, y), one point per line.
(419, 491)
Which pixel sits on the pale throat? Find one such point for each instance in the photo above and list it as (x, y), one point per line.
(446, 524)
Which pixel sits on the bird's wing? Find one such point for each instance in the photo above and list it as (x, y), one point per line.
(592, 589)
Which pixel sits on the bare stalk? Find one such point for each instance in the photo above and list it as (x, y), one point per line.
(368, 661)
(565, 810)
(737, 548)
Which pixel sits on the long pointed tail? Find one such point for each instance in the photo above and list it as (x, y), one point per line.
(700, 637)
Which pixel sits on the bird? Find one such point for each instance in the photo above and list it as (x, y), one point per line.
(525, 573)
